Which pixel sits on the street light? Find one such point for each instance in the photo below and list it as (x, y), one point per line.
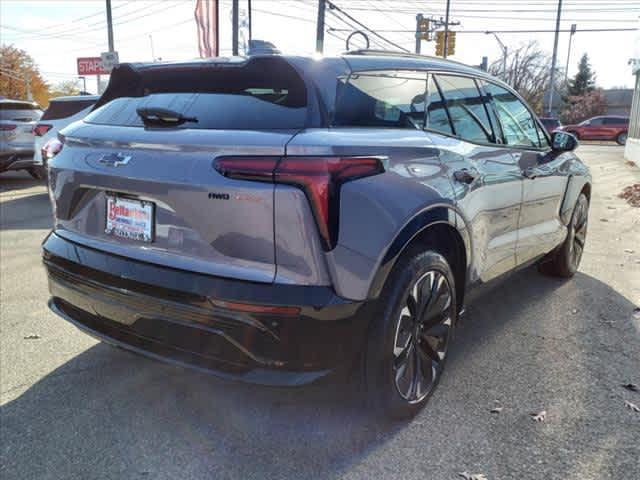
(503, 47)
(84, 84)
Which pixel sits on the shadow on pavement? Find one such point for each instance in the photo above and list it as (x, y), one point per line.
(110, 414)
(10, 181)
(28, 212)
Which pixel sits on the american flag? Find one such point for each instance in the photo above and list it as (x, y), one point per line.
(206, 14)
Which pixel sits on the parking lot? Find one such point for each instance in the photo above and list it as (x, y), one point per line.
(75, 408)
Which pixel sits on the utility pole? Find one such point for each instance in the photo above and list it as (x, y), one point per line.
(566, 69)
(554, 58)
(249, 7)
(320, 27)
(418, 39)
(446, 29)
(110, 26)
(235, 20)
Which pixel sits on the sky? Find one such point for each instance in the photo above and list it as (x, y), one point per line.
(56, 32)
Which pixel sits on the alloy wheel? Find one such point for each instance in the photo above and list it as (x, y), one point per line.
(578, 234)
(422, 336)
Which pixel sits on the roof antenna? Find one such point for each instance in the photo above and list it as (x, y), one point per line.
(358, 32)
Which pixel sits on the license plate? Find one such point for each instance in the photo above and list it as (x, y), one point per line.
(129, 218)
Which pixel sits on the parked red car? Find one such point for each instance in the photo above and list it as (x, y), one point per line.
(601, 128)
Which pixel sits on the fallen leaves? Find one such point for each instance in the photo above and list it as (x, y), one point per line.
(31, 337)
(631, 387)
(472, 476)
(495, 410)
(631, 194)
(632, 406)
(539, 417)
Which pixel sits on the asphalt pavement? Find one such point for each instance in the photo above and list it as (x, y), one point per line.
(72, 408)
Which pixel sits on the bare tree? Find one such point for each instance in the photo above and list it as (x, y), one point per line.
(528, 70)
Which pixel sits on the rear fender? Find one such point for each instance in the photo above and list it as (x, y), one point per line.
(433, 215)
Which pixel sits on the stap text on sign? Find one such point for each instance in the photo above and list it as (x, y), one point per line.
(91, 66)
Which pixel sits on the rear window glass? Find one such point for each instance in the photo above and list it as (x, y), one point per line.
(64, 109)
(19, 111)
(466, 108)
(263, 94)
(388, 99)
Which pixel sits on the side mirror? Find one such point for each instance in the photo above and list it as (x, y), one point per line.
(563, 141)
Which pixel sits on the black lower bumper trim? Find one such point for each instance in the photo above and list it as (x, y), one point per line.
(165, 353)
(176, 316)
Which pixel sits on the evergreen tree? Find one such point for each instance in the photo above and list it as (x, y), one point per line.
(585, 79)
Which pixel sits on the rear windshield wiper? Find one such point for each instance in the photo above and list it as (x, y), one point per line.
(155, 116)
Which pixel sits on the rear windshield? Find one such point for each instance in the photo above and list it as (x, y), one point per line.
(19, 111)
(262, 94)
(66, 108)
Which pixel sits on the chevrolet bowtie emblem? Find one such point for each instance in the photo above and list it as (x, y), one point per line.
(114, 159)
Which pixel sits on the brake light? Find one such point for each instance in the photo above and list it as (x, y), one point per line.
(7, 127)
(51, 149)
(319, 177)
(40, 129)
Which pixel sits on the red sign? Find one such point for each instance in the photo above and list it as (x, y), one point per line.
(91, 66)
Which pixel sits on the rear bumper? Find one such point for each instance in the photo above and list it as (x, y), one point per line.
(16, 158)
(184, 317)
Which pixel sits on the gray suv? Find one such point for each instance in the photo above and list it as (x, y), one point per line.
(282, 220)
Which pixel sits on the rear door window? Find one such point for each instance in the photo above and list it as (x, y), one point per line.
(65, 108)
(437, 117)
(382, 99)
(19, 111)
(266, 93)
(518, 125)
(466, 108)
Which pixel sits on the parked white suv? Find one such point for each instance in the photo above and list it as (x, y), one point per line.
(62, 111)
(17, 118)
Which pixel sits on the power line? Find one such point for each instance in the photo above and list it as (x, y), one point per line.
(362, 25)
(512, 31)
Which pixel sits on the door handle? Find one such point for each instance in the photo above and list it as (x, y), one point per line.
(464, 176)
(530, 173)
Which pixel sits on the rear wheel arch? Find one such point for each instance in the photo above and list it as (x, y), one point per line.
(441, 229)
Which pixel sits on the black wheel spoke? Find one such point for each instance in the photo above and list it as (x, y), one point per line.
(422, 335)
(439, 330)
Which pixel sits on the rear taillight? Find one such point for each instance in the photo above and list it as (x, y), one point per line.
(51, 149)
(40, 129)
(319, 177)
(7, 127)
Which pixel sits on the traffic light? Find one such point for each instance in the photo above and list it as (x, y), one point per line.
(440, 44)
(451, 43)
(423, 29)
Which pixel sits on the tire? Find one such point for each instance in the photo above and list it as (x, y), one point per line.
(397, 345)
(565, 261)
(621, 139)
(38, 173)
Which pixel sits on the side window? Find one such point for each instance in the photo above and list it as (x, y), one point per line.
(437, 118)
(518, 125)
(596, 121)
(542, 137)
(466, 108)
(388, 99)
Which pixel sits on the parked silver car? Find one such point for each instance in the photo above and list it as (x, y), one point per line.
(61, 112)
(17, 119)
(279, 219)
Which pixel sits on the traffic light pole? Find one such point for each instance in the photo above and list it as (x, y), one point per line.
(419, 18)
